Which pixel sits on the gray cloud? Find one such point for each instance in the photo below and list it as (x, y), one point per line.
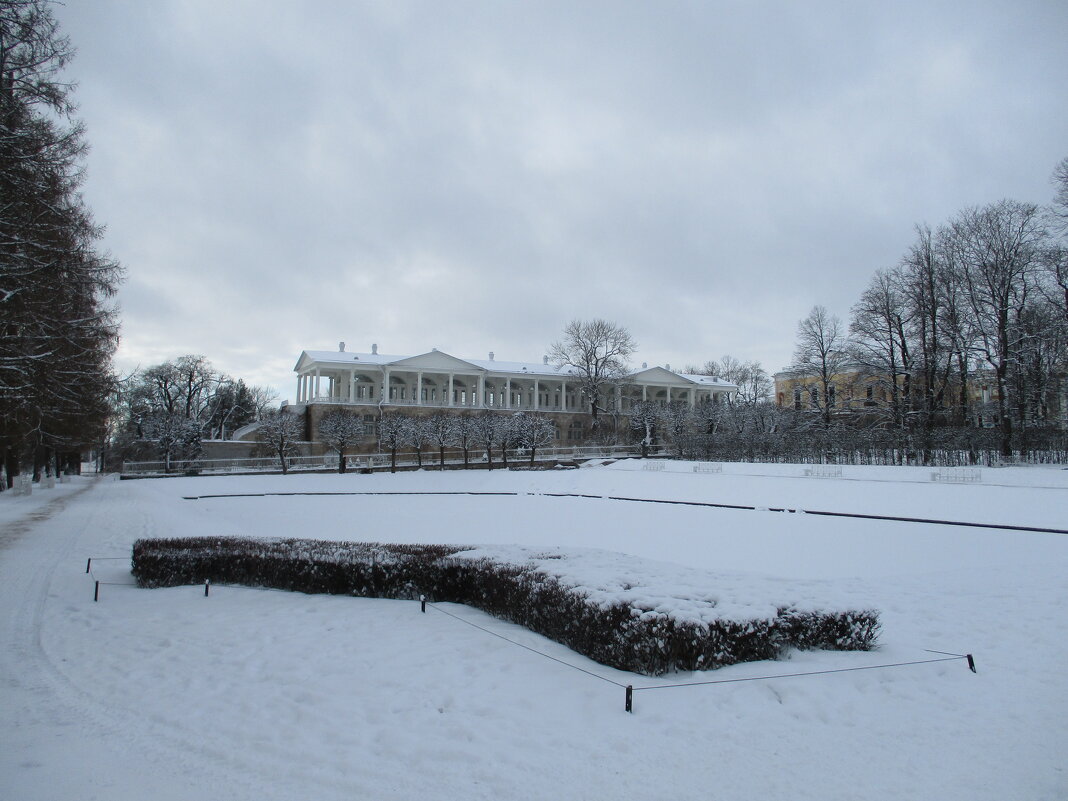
(470, 176)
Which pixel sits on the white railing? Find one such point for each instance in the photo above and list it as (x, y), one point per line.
(824, 471)
(958, 475)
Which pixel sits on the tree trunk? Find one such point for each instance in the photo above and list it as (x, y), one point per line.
(393, 459)
(504, 455)
(532, 449)
(489, 458)
(341, 462)
(441, 456)
(11, 464)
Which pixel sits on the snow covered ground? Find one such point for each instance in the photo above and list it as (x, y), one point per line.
(255, 694)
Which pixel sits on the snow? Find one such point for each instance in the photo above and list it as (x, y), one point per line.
(257, 694)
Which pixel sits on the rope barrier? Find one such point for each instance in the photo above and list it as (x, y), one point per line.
(526, 647)
(806, 673)
(629, 688)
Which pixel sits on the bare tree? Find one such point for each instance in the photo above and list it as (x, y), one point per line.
(754, 383)
(880, 340)
(340, 429)
(597, 351)
(996, 252)
(279, 432)
(1054, 257)
(1059, 207)
(821, 356)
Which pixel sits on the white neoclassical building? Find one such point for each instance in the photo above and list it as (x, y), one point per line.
(439, 380)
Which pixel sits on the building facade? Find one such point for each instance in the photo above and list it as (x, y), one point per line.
(433, 381)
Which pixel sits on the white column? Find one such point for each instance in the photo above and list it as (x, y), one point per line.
(419, 388)
(508, 393)
(619, 398)
(481, 391)
(645, 393)
(537, 398)
(300, 380)
(315, 390)
(385, 385)
(693, 397)
(450, 388)
(352, 386)
(563, 396)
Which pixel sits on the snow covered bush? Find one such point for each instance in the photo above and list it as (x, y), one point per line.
(576, 597)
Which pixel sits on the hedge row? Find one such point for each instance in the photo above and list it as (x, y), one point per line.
(617, 635)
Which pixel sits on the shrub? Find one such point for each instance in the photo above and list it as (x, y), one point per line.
(617, 633)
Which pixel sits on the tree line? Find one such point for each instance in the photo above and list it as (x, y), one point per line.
(980, 301)
(280, 433)
(58, 325)
(169, 409)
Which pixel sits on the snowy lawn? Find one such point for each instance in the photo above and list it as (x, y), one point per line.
(256, 694)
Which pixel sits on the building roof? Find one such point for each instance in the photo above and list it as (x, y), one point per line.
(347, 359)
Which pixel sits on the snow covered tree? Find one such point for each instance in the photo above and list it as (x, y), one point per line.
(463, 435)
(675, 420)
(177, 439)
(58, 329)
(392, 433)
(533, 431)
(418, 434)
(487, 432)
(340, 430)
(279, 433)
(644, 416)
(597, 351)
(441, 429)
(190, 387)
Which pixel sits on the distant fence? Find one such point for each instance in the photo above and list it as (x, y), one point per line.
(517, 457)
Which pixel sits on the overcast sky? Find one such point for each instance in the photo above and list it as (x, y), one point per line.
(280, 176)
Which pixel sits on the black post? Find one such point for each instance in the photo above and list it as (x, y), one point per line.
(422, 603)
(88, 562)
(96, 590)
(971, 663)
(207, 584)
(630, 697)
